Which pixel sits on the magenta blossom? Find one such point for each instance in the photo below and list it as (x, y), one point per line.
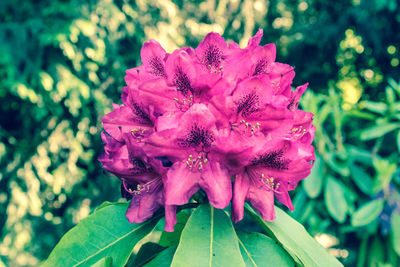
(206, 119)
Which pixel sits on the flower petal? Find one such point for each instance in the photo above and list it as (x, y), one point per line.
(170, 218)
(180, 184)
(216, 182)
(143, 206)
(263, 201)
(240, 191)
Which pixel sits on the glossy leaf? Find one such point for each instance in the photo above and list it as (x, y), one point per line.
(163, 259)
(335, 200)
(395, 223)
(367, 213)
(259, 250)
(104, 233)
(313, 183)
(295, 239)
(208, 239)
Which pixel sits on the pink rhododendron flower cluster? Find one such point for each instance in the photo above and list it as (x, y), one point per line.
(218, 118)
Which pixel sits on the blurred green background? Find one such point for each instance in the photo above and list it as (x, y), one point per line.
(62, 65)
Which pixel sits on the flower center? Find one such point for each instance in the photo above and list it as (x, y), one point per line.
(138, 133)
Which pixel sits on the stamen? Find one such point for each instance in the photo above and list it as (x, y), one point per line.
(196, 163)
(298, 132)
(184, 104)
(140, 188)
(270, 184)
(246, 127)
(138, 133)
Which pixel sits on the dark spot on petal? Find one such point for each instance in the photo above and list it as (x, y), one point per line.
(157, 66)
(197, 136)
(141, 115)
(182, 82)
(212, 56)
(248, 104)
(273, 160)
(261, 67)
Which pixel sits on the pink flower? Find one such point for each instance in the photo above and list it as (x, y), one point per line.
(204, 118)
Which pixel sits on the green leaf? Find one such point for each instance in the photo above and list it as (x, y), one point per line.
(171, 239)
(378, 131)
(208, 239)
(395, 234)
(398, 141)
(361, 179)
(313, 183)
(294, 239)
(335, 200)
(104, 233)
(163, 259)
(367, 213)
(260, 250)
(377, 107)
(146, 252)
(104, 262)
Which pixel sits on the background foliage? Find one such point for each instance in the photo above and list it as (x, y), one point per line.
(62, 66)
